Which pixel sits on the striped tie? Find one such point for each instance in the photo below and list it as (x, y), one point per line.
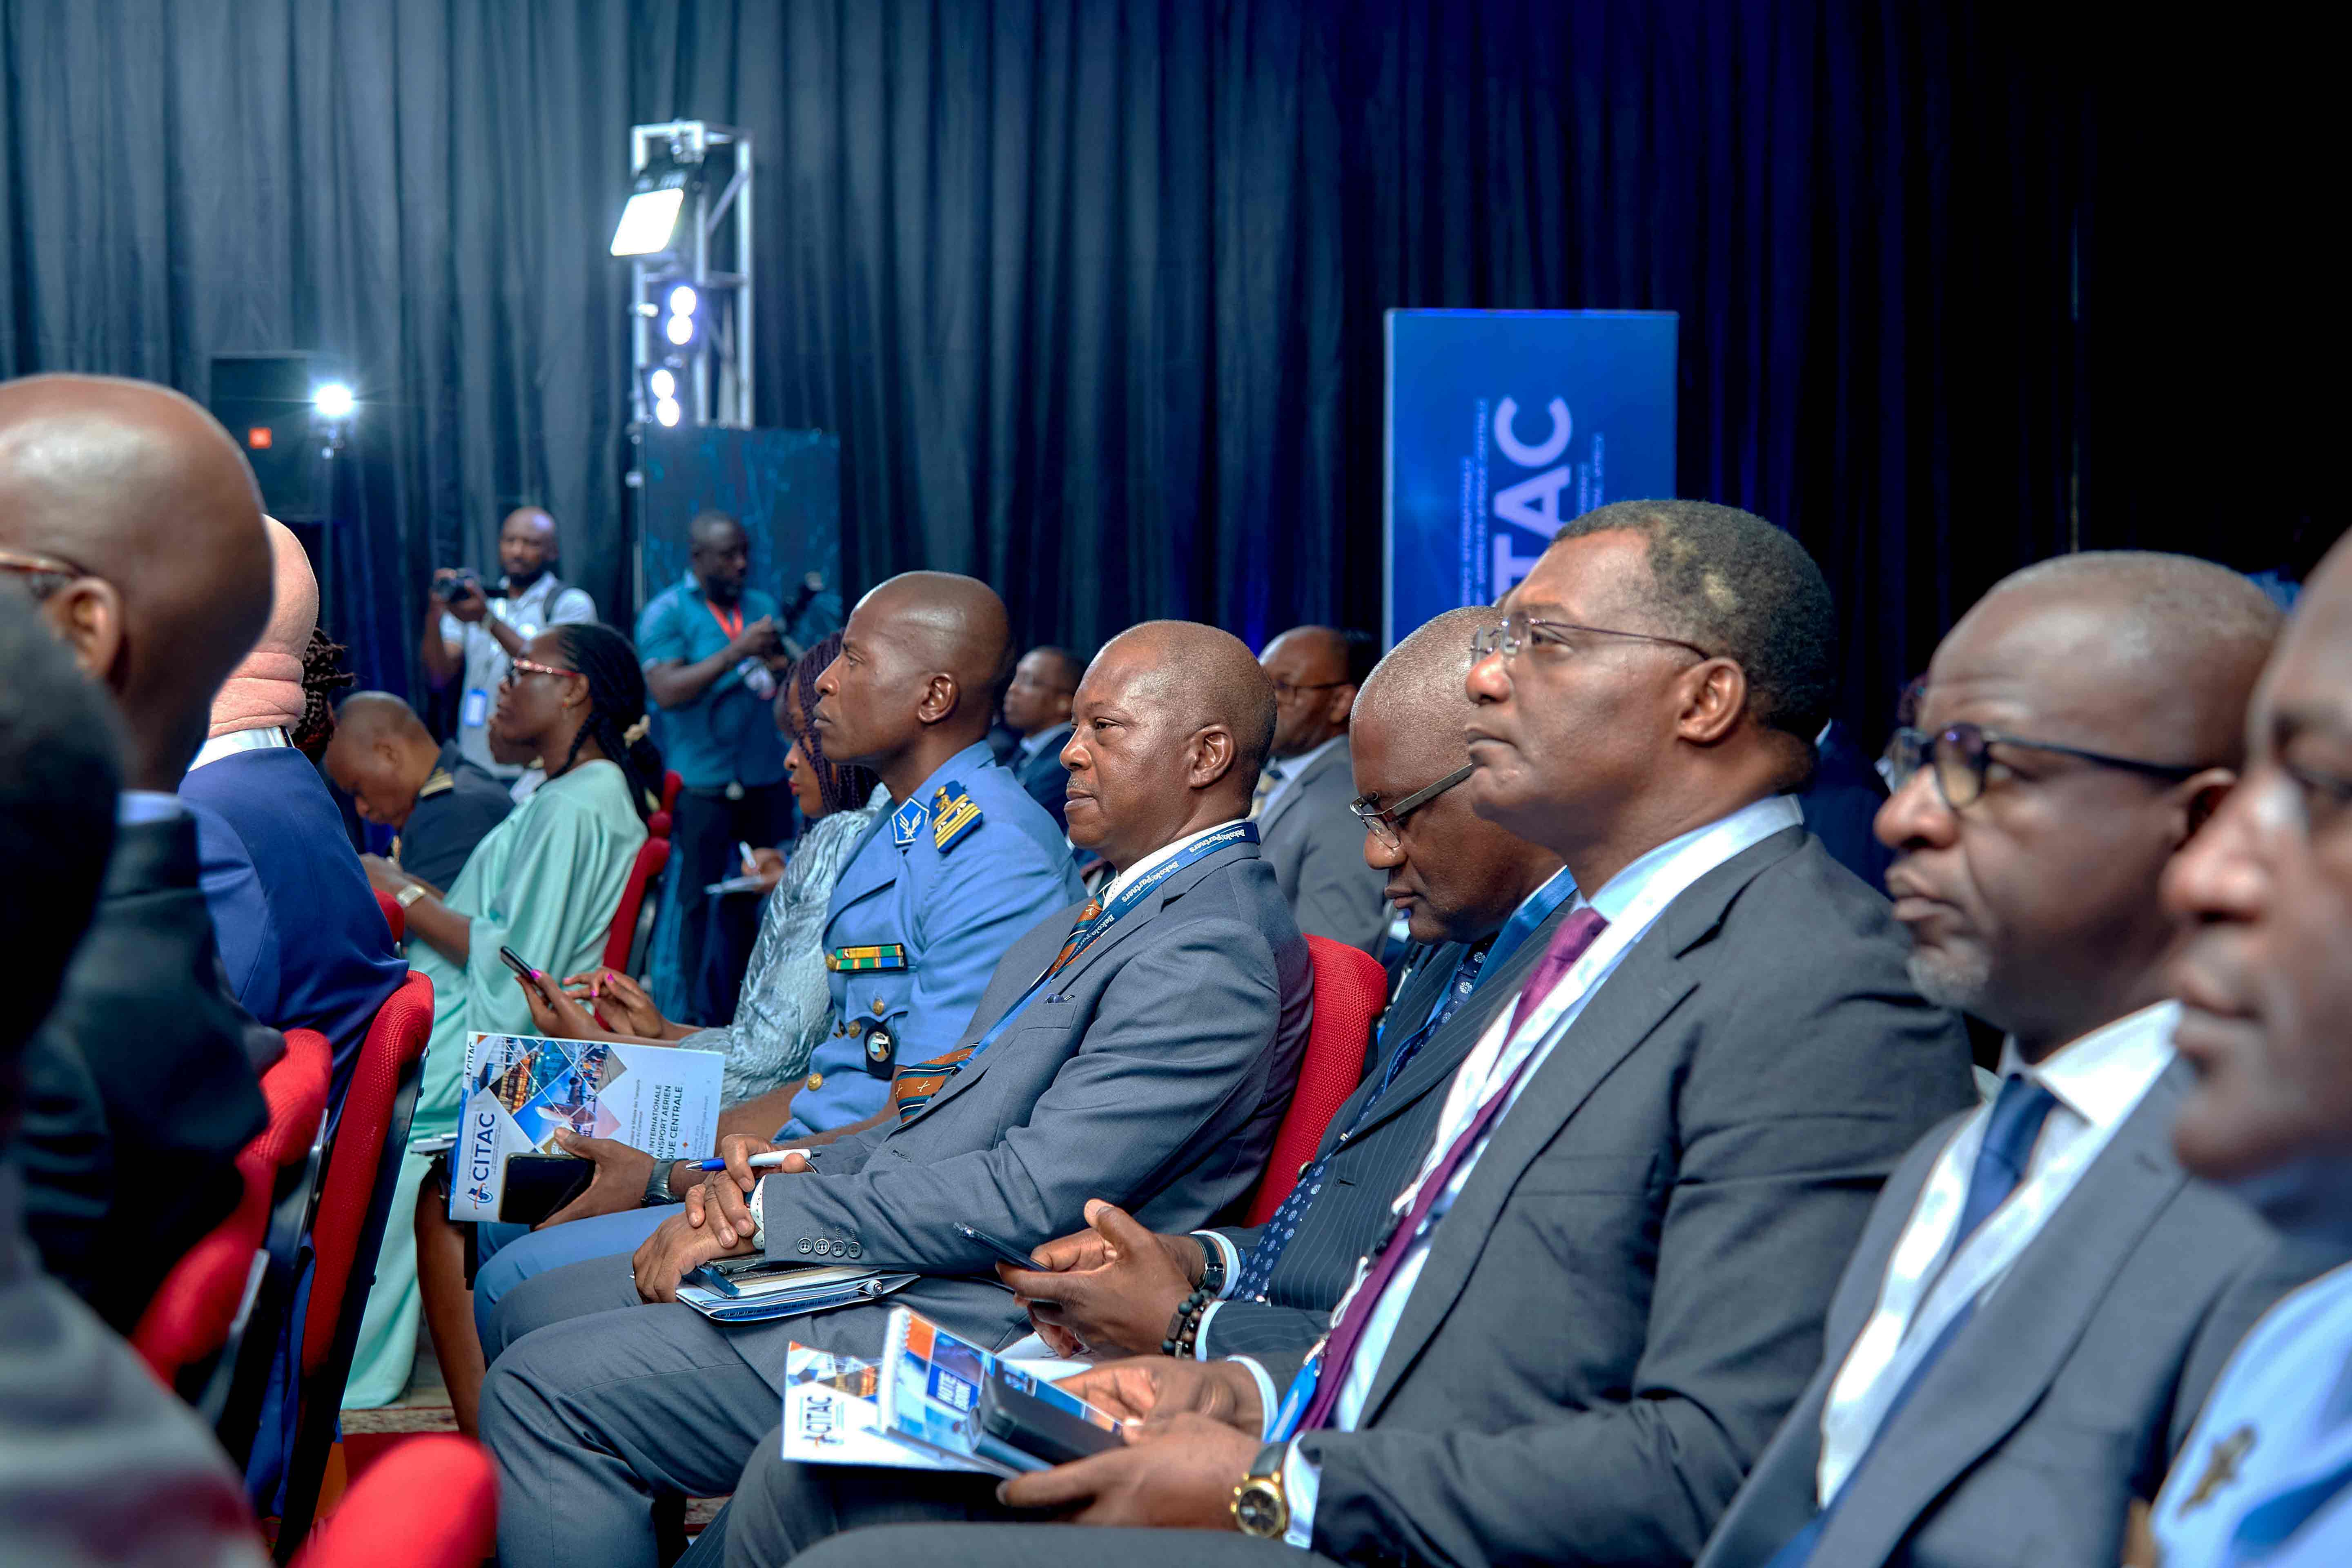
(1267, 777)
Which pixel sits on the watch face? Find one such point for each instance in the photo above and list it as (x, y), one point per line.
(1257, 1508)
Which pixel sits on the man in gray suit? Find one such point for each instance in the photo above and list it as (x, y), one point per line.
(1301, 806)
(1483, 904)
(1142, 1046)
(2042, 1296)
(1605, 1289)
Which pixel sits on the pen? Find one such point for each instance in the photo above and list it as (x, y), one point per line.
(767, 1162)
(750, 867)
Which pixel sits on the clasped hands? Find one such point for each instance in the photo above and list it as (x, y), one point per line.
(716, 1221)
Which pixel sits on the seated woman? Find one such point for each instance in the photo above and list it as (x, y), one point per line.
(546, 882)
(783, 1014)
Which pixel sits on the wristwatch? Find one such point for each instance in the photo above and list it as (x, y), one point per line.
(1212, 1270)
(1259, 1508)
(657, 1191)
(409, 895)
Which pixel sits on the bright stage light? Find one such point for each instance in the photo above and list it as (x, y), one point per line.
(333, 400)
(664, 384)
(666, 411)
(680, 330)
(648, 221)
(682, 300)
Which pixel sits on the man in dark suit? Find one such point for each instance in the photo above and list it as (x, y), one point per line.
(1482, 903)
(131, 517)
(1605, 1289)
(1142, 1045)
(439, 803)
(1038, 706)
(1301, 806)
(300, 936)
(1842, 802)
(2042, 1296)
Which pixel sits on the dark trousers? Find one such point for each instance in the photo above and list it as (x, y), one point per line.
(704, 831)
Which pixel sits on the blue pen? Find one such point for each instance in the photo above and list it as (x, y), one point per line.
(767, 1162)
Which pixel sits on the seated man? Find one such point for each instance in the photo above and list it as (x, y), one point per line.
(131, 517)
(98, 1463)
(2265, 1476)
(300, 935)
(2040, 1268)
(1302, 803)
(1606, 1284)
(438, 803)
(1485, 903)
(1037, 708)
(1143, 1046)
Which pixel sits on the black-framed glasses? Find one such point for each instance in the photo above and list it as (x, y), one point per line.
(1960, 754)
(34, 565)
(1518, 629)
(523, 666)
(1380, 821)
(1284, 691)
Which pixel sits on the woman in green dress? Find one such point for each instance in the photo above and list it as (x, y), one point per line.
(545, 882)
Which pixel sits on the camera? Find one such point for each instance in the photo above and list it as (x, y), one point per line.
(463, 583)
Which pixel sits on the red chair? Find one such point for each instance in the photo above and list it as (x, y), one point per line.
(671, 783)
(1351, 987)
(354, 1201)
(623, 940)
(393, 916)
(432, 1503)
(188, 1323)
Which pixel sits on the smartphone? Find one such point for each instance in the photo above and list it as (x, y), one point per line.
(1042, 1421)
(538, 1185)
(529, 977)
(1004, 1249)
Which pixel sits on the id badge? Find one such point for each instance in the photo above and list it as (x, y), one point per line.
(475, 711)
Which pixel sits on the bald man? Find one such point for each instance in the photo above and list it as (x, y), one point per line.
(301, 938)
(1302, 807)
(438, 803)
(2041, 1297)
(1140, 1049)
(130, 516)
(475, 633)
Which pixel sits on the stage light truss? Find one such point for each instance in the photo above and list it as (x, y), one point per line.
(690, 283)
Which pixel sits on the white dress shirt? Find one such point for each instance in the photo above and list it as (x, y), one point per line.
(2098, 1080)
(1055, 735)
(1630, 901)
(1158, 858)
(1291, 767)
(235, 740)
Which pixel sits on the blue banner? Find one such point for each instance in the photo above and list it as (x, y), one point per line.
(1503, 425)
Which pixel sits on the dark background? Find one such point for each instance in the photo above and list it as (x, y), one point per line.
(1092, 292)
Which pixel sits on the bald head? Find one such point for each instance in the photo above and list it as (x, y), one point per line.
(367, 717)
(527, 545)
(1315, 670)
(381, 755)
(1172, 723)
(2156, 655)
(1416, 697)
(916, 677)
(149, 506)
(950, 623)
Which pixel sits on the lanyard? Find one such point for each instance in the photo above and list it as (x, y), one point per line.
(733, 630)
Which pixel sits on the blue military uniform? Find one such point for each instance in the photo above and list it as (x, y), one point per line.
(930, 900)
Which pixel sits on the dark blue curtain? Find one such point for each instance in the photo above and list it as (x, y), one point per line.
(1092, 292)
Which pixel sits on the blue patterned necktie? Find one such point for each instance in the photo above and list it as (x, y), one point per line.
(2018, 1113)
(1257, 1268)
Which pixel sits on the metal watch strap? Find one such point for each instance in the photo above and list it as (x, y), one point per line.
(409, 894)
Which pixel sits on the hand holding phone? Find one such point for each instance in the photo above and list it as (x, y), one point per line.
(530, 977)
(1003, 1249)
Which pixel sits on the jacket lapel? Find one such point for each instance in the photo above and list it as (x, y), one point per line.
(1335, 757)
(2004, 1359)
(862, 876)
(1649, 982)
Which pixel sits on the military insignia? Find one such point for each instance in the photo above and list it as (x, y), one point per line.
(437, 782)
(907, 823)
(954, 816)
(881, 1052)
(877, 955)
(2222, 1469)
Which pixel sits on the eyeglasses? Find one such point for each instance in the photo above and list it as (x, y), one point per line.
(1518, 629)
(1960, 753)
(31, 564)
(523, 666)
(1284, 691)
(1380, 821)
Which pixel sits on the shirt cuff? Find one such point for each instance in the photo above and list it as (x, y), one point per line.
(1200, 1332)
(1231, 1254)
(1302, 1479)
(758, 1216)
(1269, 1398)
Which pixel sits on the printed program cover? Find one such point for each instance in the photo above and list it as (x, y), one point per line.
(520, 1091)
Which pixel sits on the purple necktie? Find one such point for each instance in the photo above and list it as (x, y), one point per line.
(1568, 944)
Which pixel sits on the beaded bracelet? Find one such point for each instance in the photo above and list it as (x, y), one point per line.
(1185, 1326)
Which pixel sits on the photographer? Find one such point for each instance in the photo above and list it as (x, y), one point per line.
(474, 631)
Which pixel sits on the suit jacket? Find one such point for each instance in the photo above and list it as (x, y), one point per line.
(1841, 805)
(1370, 1166)
(1316, 847)
(1152, 1072)
(1627, 1294)
(300, 935)
(1045, 777)
(146, 1060)
(2064, 1397)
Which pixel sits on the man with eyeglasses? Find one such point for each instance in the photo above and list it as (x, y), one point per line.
(1301, 805)
(1605, 1284)
(130, 517)
(1482, 904)
(2043, 1296)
